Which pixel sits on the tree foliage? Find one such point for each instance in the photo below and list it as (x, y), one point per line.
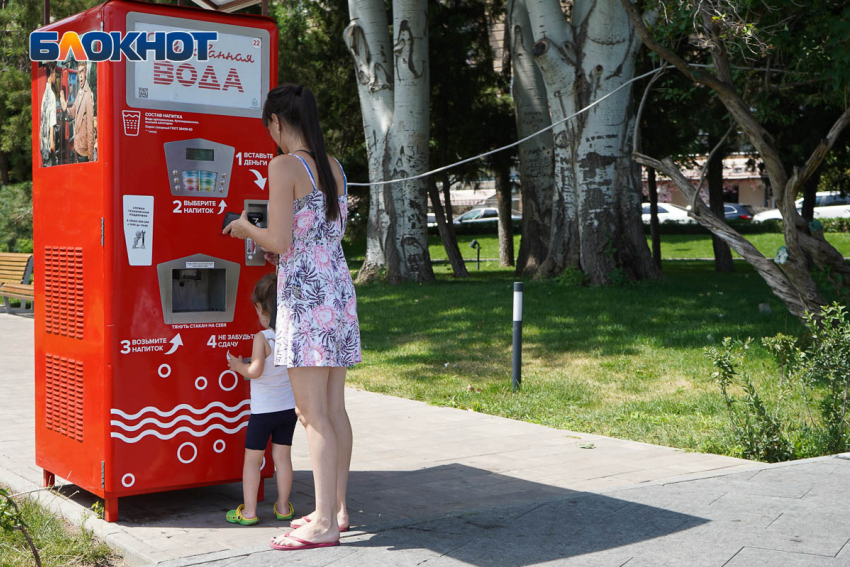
(777, 45)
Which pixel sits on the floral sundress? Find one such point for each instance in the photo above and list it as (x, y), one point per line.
(316, 321)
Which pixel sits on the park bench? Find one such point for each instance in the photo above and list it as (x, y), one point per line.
(15, 271)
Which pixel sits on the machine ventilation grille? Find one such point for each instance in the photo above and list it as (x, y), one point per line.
(64, 396)
(63, 291)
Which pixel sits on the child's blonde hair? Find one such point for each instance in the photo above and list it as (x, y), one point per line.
(265, 295)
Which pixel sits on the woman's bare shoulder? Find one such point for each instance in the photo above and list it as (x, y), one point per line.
(284, 165)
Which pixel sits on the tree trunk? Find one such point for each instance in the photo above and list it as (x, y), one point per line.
(393, 86)
(447, 198)
(447, 233)
(536, 166)
(506, 225)
(595, 218)
(810, 193)
(654, 231)
(722, 253)
(4, 168)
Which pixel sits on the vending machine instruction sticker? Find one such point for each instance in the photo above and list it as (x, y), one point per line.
(138, 229)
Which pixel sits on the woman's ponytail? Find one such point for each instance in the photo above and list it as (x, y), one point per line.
(312, 132)
(296, 107)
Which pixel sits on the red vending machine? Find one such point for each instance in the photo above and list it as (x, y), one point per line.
(138, 295)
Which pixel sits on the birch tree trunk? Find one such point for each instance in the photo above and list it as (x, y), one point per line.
(596, 221)
(536, 166)
(392, 81)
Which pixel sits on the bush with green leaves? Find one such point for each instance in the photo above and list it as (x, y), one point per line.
(16, 217)
(818, 372)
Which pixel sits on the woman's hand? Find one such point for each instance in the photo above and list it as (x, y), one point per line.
(239, 227)
(272, 258)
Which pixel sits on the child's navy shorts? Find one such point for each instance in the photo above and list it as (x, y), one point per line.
(279, 425)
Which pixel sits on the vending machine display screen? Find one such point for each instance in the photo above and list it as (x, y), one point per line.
(198, 154)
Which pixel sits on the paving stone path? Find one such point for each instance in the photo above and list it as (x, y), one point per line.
(451, 487)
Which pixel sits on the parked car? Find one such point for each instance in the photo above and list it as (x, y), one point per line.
(832, 212)
(484, 215)
(829, 200)
(736, 211)
(432, 220)
(667, 212)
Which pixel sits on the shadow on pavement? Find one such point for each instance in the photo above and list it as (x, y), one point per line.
(467, 514)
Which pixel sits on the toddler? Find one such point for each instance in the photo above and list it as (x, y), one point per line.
(272, 412)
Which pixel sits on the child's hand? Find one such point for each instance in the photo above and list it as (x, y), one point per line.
(234, 363)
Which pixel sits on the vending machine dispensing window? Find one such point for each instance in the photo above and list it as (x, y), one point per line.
(199, 168)
(198, 289)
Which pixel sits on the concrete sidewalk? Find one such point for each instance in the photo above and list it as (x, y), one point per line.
(426, 480)
(792, 515)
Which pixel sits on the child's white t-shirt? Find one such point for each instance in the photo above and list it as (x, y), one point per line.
(271, 391)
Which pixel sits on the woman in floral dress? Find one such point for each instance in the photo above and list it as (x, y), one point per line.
(318, 334)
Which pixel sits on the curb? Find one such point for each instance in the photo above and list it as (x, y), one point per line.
(135, 552)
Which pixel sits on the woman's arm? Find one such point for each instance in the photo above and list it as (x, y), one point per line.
(278, 236)
(258, 359)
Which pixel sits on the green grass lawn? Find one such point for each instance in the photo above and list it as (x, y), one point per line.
(58, 544)
(672, 245)
(621, 361)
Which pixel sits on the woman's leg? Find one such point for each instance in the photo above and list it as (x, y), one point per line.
(310, 386)
(342, 426)
(282, 456)
(251, 481)
(344, 439)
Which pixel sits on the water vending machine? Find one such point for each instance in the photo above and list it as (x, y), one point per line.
(138, 295)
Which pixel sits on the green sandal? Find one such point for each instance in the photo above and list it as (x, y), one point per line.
(281, 516)
(236, 517)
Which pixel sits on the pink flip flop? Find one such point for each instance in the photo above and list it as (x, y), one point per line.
(308, 520)
(304, 544)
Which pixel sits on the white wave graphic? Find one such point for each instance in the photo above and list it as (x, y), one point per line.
(196, 411)
(166, 425)
(177, 431)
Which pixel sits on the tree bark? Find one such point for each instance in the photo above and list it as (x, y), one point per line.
(447, 233)
(810, 190)
(536, 165)
(4, 168)
(595, 217)
(655, 233)
(506, 225)
(722, 253)
(393, 85)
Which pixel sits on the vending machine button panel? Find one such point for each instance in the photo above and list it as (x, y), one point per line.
(200, 167)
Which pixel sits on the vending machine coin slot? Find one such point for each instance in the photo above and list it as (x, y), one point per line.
(258, 212)
(198, 289)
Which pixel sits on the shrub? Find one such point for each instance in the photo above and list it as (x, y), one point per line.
(820, 371)
(16, 217)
